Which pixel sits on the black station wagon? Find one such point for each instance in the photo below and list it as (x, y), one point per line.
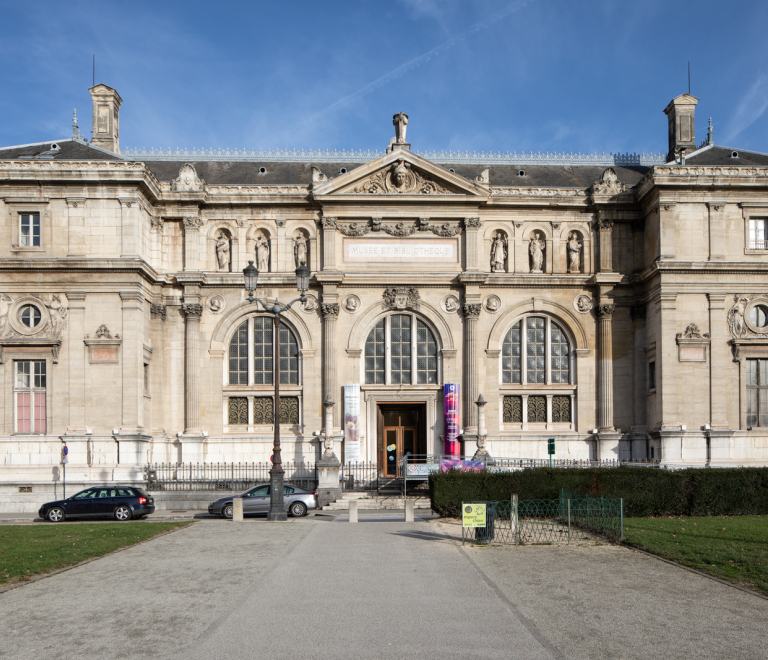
(118, 502)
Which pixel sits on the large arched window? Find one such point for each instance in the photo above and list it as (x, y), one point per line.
(401, 350)
(250, 367)
(536, 360)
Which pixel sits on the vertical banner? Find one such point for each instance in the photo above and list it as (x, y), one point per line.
(451, 410)
(352, 423)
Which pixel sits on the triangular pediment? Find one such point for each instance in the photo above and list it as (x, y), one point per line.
(399, 173)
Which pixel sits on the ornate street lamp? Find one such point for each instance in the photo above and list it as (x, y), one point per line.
(251, 275)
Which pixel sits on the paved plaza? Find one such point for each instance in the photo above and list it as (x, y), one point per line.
(323, 588)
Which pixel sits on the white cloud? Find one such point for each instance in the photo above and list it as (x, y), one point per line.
(751, 107)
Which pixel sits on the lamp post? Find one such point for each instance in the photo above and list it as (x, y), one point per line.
(251, 275)
(482, 432)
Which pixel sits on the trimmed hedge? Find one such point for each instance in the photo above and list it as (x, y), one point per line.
(646, 491)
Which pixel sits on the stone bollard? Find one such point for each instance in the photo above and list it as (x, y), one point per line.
(353, 511)
(410, 505)
(237, 509)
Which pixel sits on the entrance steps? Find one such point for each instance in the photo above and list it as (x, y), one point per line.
(374, 500)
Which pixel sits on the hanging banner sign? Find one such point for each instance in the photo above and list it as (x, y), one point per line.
(461, 465)
(352, 423)
(451, 411)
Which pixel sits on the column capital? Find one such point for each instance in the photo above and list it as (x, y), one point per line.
(472, 310)
(192, 311)
(193, 222)
(605, 310)
(157, 311)
(329, 310)
(329, 223)
(472, 223)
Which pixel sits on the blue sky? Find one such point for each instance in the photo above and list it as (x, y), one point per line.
(486, 75)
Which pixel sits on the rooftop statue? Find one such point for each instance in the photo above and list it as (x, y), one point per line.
(400, 120)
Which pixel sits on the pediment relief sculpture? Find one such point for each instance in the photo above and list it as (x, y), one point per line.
(748, 316)
(608, 184)
(187, 181)
(30, 316)
(692, 332)
(400, 178)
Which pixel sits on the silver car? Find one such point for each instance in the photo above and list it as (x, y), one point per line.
(297, 501)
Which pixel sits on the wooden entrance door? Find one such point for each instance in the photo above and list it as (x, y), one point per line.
(400, 435)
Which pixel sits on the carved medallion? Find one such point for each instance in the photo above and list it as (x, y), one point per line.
(583, 304)
(187, 181)
(400, 178)
(310, 305)
(216, 304)
(450, 304)
(352, 304)
(492, 304)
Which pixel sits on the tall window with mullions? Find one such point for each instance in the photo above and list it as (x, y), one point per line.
(238, 356)
(397, 344)
(757, 393)
(375, 353)
(401, 349)
(252, 346)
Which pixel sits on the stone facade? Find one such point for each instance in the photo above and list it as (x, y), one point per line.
(638, 288)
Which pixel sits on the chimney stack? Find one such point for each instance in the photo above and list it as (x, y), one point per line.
(682, 126)
(106, 122)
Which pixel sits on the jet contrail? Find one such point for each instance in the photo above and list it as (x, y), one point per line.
(417, 61)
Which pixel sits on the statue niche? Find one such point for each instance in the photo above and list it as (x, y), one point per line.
(301, 249)
(536, 248)
(262, 250)
(574, 248)
(223, 251)
(499, 252)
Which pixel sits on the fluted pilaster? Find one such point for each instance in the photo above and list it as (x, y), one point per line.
(330, 313)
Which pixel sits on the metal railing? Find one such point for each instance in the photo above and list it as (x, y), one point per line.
(359, 476)
(224, 476)
(547, 522)
(758, 245)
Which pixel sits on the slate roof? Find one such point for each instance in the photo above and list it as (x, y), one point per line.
(68, 150)
(717, 155)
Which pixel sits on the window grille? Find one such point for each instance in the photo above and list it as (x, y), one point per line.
(547, 353)
(561, 408)
(393, 345)
(238, 356)
(513, 409)
(289, 357)
(535, 338)
(511, 366)
(238, 410)
(426, 355)
(261, 356)
(262, 350)
(537, 409)
(560, 366)
(400, 364)
(263, 410)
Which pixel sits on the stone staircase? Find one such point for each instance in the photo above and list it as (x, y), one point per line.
(374, 500)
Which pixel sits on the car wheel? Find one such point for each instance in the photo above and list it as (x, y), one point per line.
(298, 509)
(55, 514)
(227, 510)
(122, 513)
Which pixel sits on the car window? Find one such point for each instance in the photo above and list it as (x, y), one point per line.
(260, 491)
(287, 490)
(125, 492)
(107, 492)
(85, 495)
(140, 492)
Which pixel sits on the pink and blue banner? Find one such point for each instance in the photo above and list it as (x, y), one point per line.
(460, 465)
(451, 411)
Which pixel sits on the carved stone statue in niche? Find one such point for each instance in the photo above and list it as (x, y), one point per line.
(300, 250)
(736, 317)
(499, 252)
(262, 253)
(5, 306)
(536, 250)
(574, 253)
(223, 251)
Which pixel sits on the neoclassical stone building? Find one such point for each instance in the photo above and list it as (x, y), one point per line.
(616, 303)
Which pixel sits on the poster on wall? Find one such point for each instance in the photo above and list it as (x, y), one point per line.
(451, 410)
(352, 423)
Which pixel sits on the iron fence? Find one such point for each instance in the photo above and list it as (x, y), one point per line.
(224, 476)
(547, 522)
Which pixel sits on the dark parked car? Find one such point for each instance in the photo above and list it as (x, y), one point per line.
(118, 502)
(256, 500)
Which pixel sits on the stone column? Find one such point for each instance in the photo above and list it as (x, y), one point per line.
(129, 221)
(716, 231)
(158, 315)
(718, 362)
(133, 363)
(76, 226)
(330, 311)
(640, 384)
(605, 365)
(605, 237)
(471, 232)
(329, 243)
(192, 226)
(192, 314)
(76, 362)
(471, 373)
(558, 260)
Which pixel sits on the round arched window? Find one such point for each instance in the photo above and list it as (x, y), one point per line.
(759, 316)
(30, 316)
(536, 351)
(251, 356)
(401, 350)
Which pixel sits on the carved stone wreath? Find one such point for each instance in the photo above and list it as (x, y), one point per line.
(354, 229)
(399, 230)
(401, 297)
(445, 230)
(400, 178)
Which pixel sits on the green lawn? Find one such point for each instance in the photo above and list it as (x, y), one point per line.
(731, 548)
(27, 550)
